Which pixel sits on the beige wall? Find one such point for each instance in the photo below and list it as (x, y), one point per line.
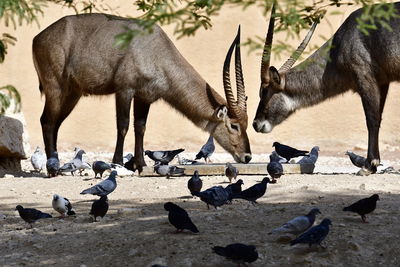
(335, 125)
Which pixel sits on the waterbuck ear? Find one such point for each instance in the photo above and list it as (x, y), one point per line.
(222, 112)
(274, 75)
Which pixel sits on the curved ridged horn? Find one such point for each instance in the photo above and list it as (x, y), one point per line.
(266, 57)
(230, 99)
(296, 54)
(241, 94)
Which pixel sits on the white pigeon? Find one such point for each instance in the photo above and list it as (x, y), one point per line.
(121, 170)
(299, 224)
(62, 205)
(38, 160)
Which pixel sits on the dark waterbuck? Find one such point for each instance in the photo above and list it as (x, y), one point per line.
(76, 56)
(350, 60)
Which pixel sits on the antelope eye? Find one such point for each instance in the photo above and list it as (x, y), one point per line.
(235, 127)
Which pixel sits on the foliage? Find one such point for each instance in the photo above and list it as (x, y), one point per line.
(7, 93)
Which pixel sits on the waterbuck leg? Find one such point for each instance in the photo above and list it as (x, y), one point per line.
(56, 110)
(371, 100)
(141, 110)
(123, 100)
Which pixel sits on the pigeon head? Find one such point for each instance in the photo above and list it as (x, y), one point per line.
(239, 182)
(169, 206)
(104, 198)
(326, 222)
(56, 197)
(347, 153)
(375, 197)
(113, 174)
(266, 180)
(196, 173)
(19, 208)
(275, 144)
(316, 148)
(37, 149)
(81, 152)
(147, 152)
(314, 211)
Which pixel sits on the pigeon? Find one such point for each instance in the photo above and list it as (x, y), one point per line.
(185, 161)
(299, 224)
(254, 192)
(127, 158)
(75, 164)
(311, 158)
(103, 188)
(99, 207)
(315, 235)
(231, 171)
(130, 163)
(164, 157)
(53, 165)
(357, 160)
(216, 196)
(237, 252)
(31, 215)
(274, 167)
(121, 170)
(38, 160)
(195, 183)
(363, 206)
(168, 170)
(234, 189)
(288, 152)
(179, 218)
(206, 150)
(100, 167)
(84, 166)
(62, 205)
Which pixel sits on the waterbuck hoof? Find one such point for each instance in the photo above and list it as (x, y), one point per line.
(364, 172)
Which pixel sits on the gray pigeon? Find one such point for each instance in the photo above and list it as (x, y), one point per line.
(31, 215)
(206, 150)
(310, 158)
(195, 183)
(103, 188)
(53, 165)
(274, 167)
(315, 235)
(62, 205)
(38, 160)
(299, 224)
(216, 196)
(168, 170)
(100, 167)
(75, 164)
(358, 161)
(231, 171)
(127, 158)
(163, 157)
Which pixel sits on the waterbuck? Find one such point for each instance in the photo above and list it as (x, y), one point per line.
(350, 60)
(76, 56)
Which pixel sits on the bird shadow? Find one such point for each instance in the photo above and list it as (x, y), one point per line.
(186, 197)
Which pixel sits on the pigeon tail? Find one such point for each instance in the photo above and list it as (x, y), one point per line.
(71, 212)
(199, 155)
(45, 215)
(219, 250)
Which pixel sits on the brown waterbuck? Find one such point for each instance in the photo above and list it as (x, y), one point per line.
(350, 60)
(76, 56)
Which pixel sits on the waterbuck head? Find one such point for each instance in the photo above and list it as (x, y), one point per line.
(276, 103)
(230, 132)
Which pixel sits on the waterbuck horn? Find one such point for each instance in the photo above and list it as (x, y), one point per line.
(241, 94)
(266, 57)
(232, 104)
(296, 54)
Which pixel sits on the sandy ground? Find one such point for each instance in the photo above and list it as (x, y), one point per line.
(136, 231)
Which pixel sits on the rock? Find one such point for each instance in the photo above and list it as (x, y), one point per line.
(9, 176)
(353, 246)
(132, 252)
(362, 187)
(13, 138)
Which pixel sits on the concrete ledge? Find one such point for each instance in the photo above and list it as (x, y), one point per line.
(244, 169)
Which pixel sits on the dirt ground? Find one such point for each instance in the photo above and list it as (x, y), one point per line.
(136, 231)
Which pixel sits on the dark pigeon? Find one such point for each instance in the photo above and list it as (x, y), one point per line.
(315, 235)
(103, 188)
(206, 150)
(238, 253)
(216, 196)
(31, 215)
(274, 167)
(299, 224)
(163, 157)
(358, 161)
(254, 192)
(130, 164)
(288, 152)
(168, 170)
(99, 208)
(100, 167)
(62, 205)
(363, 206)
(179, 218)
(53, 165)
(195, 183)
(234, 189)
(231, 171)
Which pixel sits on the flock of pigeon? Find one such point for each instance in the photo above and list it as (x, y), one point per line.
(216, 196)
